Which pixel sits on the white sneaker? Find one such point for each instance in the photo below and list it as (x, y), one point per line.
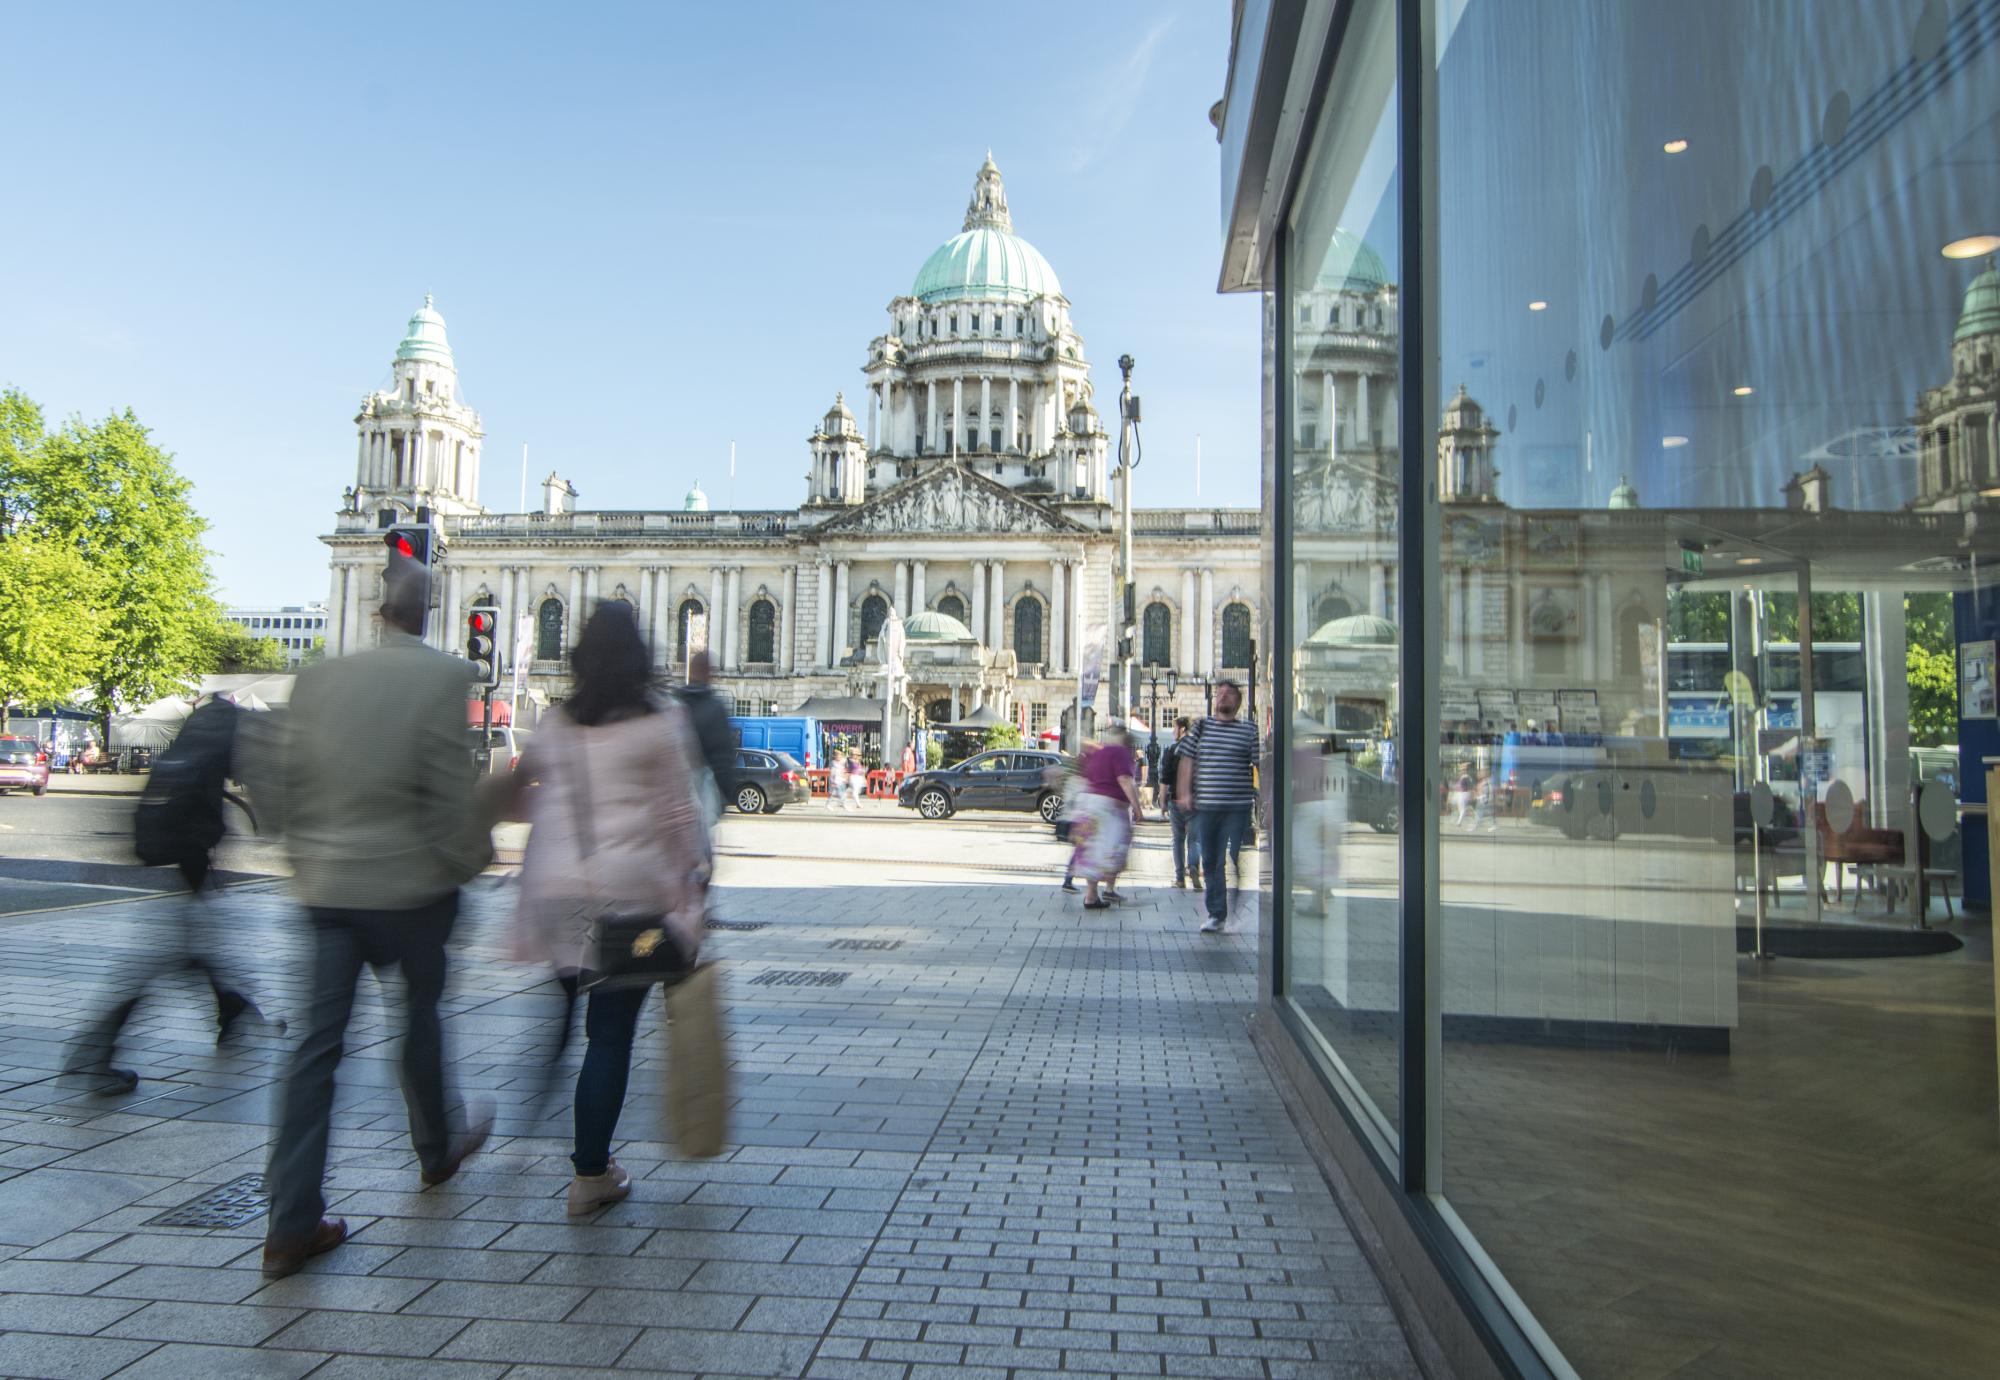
(589, 1192)
(1214, 926)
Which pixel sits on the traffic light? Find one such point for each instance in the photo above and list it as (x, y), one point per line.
(412, 542)
(482, 645)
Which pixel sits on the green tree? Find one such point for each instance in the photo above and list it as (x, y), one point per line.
(108, 493)
(1002, 736)
(1697, 616)
(1836, 617)
(228, 648)
(1927, 622)
(51, 620)
(315, 653)
(1933, 696)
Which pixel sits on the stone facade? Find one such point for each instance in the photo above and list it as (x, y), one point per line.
(979, 488)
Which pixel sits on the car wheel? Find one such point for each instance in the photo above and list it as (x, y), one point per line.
(1048, 806)
(1390, 820)
(749, 800)
(41, 790)
(773, 808)
(934, 804)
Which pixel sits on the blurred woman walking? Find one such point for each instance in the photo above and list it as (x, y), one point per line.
(609, 785)
(1106, 812)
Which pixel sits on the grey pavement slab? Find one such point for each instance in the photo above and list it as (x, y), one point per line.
(1025, 1141)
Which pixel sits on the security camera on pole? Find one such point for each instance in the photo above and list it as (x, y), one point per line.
(1126, 611)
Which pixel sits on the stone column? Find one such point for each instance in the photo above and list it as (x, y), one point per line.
(1329, 403)
(874, 404)
(645, 597)
(823, 630)
(1475, 622)
(839, 612)
(715, 616)
(1517, 629)
(1205, 611)
(900, 590)
(1057, 663)
(985, 408)
(787, 628)
(732, 640)
(1189, 623)
(1607, 635)
(574, 623)
(957, 412)
(1363, 429)
(930, 416)
(978, 609)
(1013, 414)
(996, 586)
(916, 587)
(454, 592)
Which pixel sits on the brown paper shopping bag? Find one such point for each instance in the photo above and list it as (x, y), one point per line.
(697, 1064)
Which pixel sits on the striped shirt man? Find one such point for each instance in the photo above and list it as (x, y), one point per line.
(1223, 752)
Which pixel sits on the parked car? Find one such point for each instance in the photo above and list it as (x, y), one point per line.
(508, 744)
(766, 782)
(1004, 779)
(24, 765)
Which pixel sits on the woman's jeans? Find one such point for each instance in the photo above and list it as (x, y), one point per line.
(610, 1019)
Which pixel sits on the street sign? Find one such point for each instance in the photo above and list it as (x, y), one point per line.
(1691, 559)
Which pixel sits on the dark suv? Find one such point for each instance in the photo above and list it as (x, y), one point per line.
(1004, 779)
(766, 782)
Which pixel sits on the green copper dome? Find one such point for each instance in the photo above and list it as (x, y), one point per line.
(1981, 315)
(986, 261)
(1355, 630)
(1351, 265)
(986, 265)
(1624, 497)
(425, 338)
(696, 501)
(929, 626)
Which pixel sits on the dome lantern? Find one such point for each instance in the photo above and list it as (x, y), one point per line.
(1981, 312)
(425, 338)
(696, 501)
(986, 260)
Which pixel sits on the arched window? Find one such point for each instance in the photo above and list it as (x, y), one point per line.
(1157, 635)
(1028, 630)
(549, 630)
(763, 632)
(952, 607)
(1330, 607)
(690, 610)
(1236, 636)
(874, 613)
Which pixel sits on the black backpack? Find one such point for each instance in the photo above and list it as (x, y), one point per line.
(180, 812)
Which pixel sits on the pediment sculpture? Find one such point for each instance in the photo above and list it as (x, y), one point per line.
(949, 500)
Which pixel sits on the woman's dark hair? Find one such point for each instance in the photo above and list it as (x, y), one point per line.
(612, 667)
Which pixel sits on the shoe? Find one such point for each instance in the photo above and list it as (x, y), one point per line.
(1110, 895)
(481, 1126)
(280, 1261)
(1194, 880)
(1214, 926)
(1180, 882)
(588, 1192)
(1069, 886)
(1097, 905)
(125, 1079)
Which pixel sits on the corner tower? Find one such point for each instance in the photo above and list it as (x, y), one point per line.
(419, 442)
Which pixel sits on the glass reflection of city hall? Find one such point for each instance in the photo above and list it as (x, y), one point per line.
(1632, 470)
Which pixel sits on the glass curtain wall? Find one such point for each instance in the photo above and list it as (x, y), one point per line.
(1342, 332)
(1715, 482)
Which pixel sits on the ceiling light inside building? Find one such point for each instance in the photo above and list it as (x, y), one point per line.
(1743, 390)
(1749, 560)
(1673, 442)
(1538, 305)
(1676, 146)
(1972, 247)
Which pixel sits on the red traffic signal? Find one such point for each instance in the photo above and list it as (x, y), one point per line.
(482, 649)
(412, 542)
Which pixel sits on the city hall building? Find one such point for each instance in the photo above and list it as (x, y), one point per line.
(1625, 926)
(972, 492)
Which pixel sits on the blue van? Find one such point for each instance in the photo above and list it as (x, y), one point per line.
(799, 737)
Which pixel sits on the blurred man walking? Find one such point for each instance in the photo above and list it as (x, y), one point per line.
(383, 828)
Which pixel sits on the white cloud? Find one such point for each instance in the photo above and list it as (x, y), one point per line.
(1117, 98)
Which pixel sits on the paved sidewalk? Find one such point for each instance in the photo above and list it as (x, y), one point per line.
(977, 1134)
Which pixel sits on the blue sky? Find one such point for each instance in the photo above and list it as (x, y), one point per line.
(652, 229)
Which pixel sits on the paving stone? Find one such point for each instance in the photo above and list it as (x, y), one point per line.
(729, 1353)
(223, 1324)
(510, 1302)
(46, 1356)
(651, 1308)
(398, 1368)
(180, 1361)
(62, 1313)
(549, 1343)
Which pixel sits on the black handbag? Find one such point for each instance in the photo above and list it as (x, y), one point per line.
(623, 949)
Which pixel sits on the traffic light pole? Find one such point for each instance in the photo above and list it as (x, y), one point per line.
(485, 730)
(1125, 610)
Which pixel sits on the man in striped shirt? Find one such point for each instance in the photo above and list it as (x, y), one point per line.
(1217, 764)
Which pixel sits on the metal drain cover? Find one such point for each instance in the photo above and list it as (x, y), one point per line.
(739, 926)
(226, 1205)
(873, 945)
(800, 977)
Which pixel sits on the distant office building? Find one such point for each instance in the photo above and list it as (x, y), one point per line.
(295, 627)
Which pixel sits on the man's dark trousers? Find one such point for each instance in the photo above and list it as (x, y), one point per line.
(343, 940)
(1220, 832)
(1187, 842)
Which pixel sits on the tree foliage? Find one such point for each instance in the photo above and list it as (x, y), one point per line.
(229, 648)
(1933, 696)
(1697, 616)
(110, 498)
(1002, 736)
(52, 620)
